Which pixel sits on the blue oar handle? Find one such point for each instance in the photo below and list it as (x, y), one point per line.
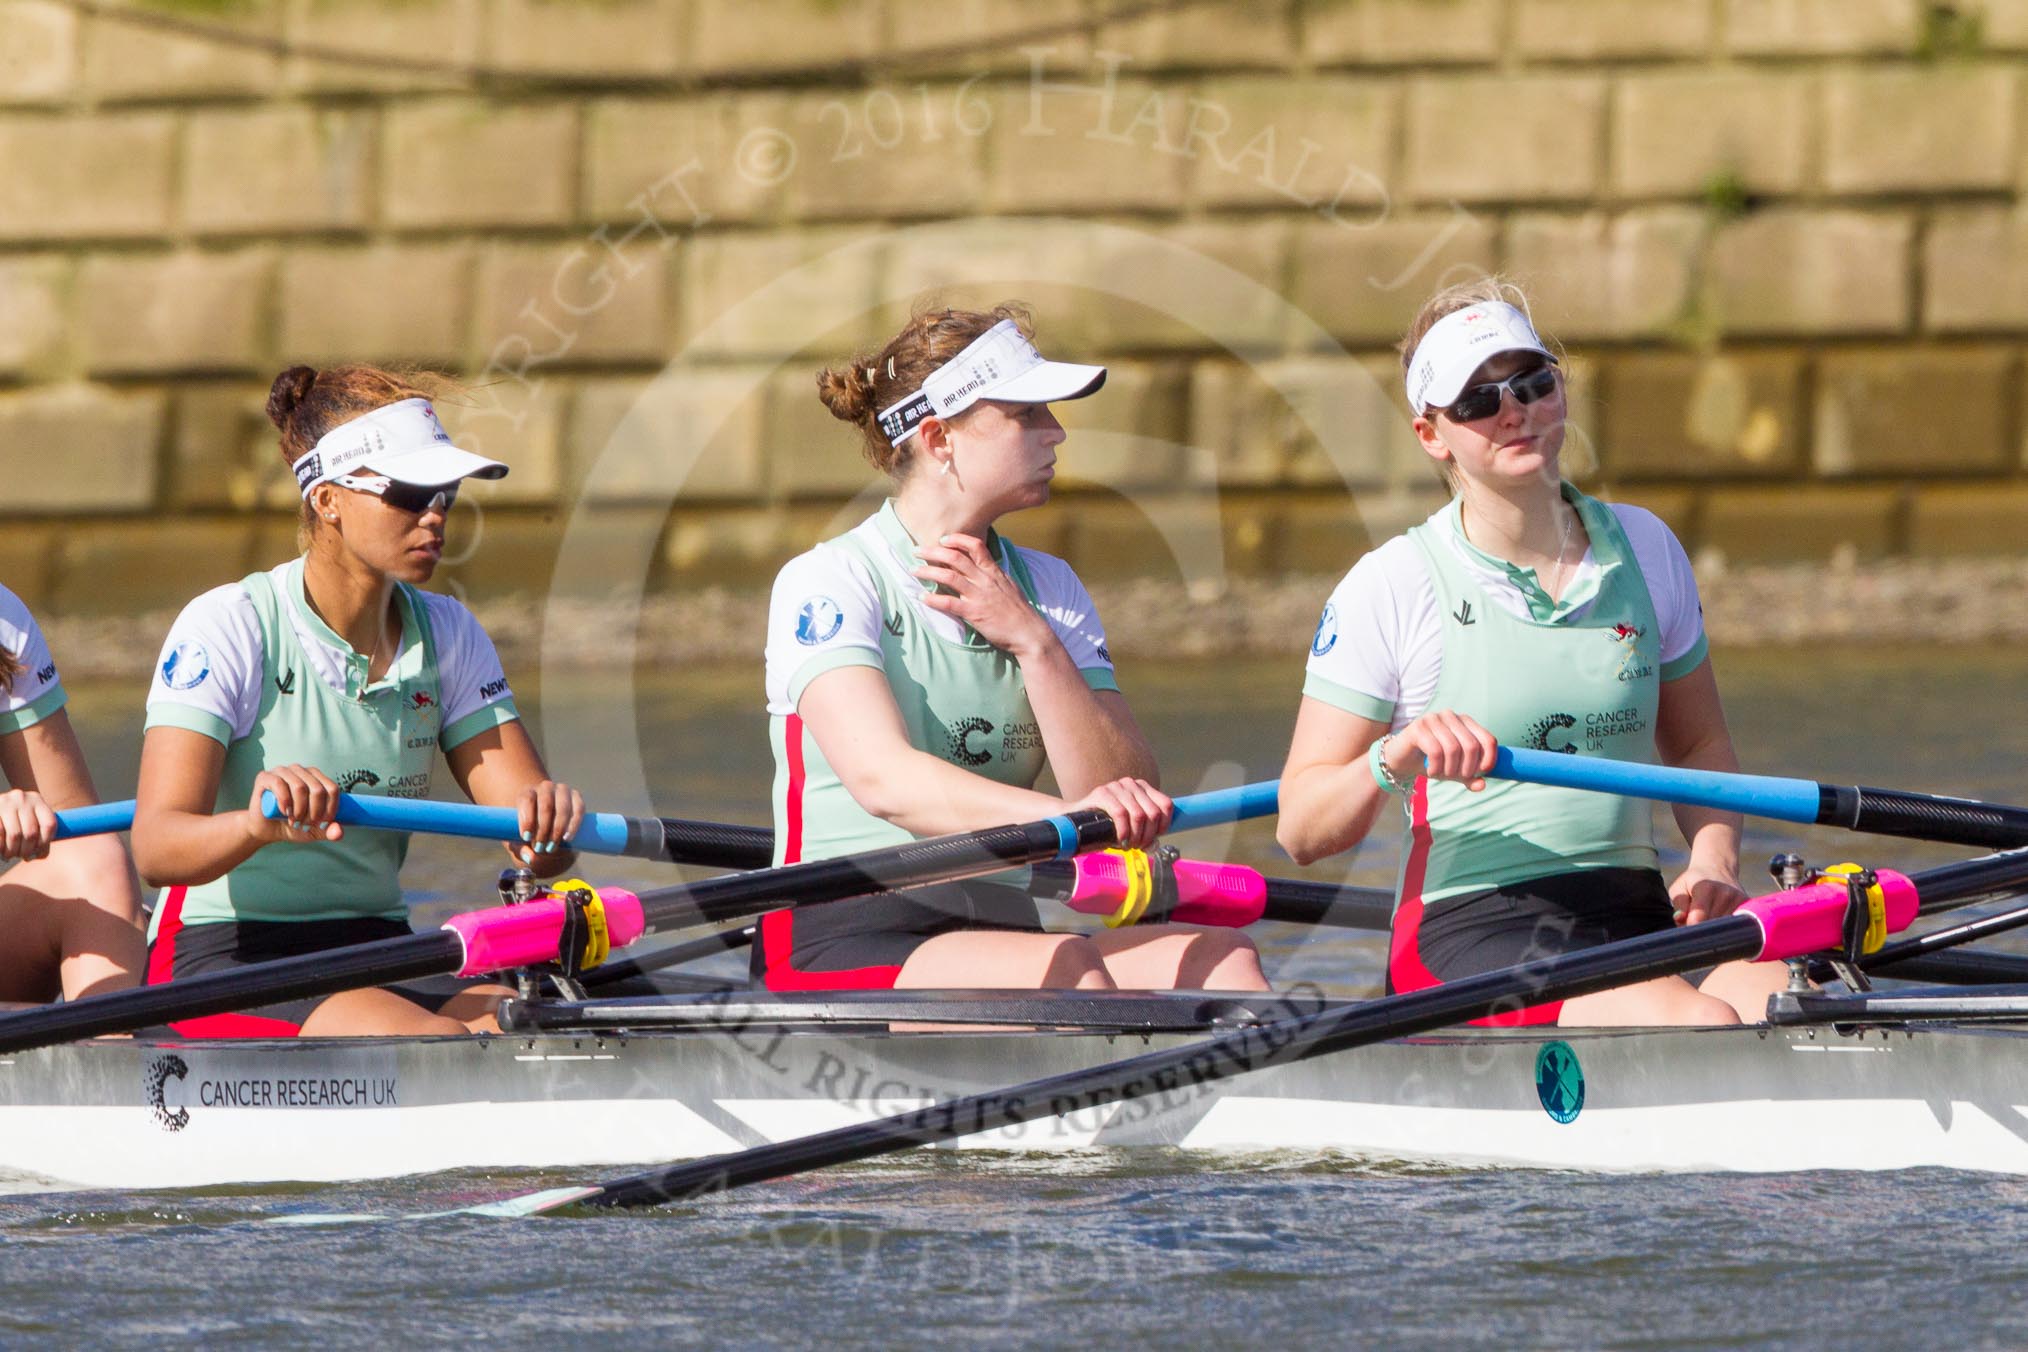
(95, 820)
(1219, 806)
(600, 833)
(1789, 800)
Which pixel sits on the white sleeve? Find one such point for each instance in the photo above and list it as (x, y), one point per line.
(1672, 584)
(468, 665)
(824, 613)
(22, 637)
(208, 676)
(1377, 650)
(1061, 597)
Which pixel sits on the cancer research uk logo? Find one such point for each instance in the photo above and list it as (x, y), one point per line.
(1326, 637)
(186, 666)
(818, 620)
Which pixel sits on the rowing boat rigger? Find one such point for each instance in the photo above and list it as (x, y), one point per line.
(1930, 1078)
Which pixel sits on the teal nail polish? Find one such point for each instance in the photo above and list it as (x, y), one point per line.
(524, 835)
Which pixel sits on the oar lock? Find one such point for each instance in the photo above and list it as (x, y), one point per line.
(586, 940)
(1865, 929)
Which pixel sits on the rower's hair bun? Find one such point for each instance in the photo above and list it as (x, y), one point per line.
(287, 394)
(856, 392)
(848, 392)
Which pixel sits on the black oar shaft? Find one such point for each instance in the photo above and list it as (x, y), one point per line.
(1181, 1070)
(267, 983)
(674, 840)
(1953, 968)
(441, 951)
(1309, 903)
(914, 863)
(675, 955)
(1918, 816)
(1950, 936)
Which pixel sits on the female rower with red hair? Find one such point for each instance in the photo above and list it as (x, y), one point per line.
(922, 670)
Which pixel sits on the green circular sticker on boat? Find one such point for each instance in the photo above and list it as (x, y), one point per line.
(1559, 1081)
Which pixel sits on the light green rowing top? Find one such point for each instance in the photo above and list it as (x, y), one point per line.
(376, 740)
(1586, 686)
(963, 700)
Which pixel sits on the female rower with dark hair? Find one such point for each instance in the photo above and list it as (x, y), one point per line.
(1523, 612)
(69, 908)
(331, 673)
(921, 671)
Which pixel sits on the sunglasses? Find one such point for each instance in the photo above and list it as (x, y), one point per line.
(414, 499)
(1483, 401)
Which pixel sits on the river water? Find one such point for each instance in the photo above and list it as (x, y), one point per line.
(1029, 1251)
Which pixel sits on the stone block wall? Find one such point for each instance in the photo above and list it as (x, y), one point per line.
(1785, 241)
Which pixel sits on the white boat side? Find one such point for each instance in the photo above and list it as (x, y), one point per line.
(140, 1114)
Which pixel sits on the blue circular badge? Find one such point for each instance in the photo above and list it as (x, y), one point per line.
(818, 621)
(1326, 637)
(1559, 1081)
(186, 666)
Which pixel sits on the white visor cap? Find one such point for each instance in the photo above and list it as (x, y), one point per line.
(1000, 364)
(1461, 342)
(404, 441)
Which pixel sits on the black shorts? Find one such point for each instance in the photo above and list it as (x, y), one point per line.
(189, 950)
(1536, 918)
(861, 944)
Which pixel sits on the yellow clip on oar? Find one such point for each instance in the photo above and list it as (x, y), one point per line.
(1876, 903)
(1140, 888)
(598, 939)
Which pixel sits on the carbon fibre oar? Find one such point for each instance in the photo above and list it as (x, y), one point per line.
(1294, 900)
(672, 840)
(1785, 924)
(1880, 812)
(502, 937)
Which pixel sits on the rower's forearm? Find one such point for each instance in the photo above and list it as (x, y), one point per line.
(1713, 838)
(1086, 746)
(1711, 833)
(1327, 809)
(183, 849)
(926, 795)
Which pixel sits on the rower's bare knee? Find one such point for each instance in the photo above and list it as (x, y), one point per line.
(1185, 957)
(1005, 960)
(376, 1013)
(1746, 986)
(1666, 1001)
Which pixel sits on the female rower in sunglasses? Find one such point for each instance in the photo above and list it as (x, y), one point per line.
(1527, 613)
(332, 673)
(921, 672)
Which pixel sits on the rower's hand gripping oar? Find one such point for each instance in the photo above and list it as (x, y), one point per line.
(664, 839)
(530, 933)
(1782, 925)
(1880, 812)
(96, 819)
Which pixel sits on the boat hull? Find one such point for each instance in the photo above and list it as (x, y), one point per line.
(135, 1114)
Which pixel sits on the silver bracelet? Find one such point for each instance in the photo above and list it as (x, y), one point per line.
(1383, 774)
